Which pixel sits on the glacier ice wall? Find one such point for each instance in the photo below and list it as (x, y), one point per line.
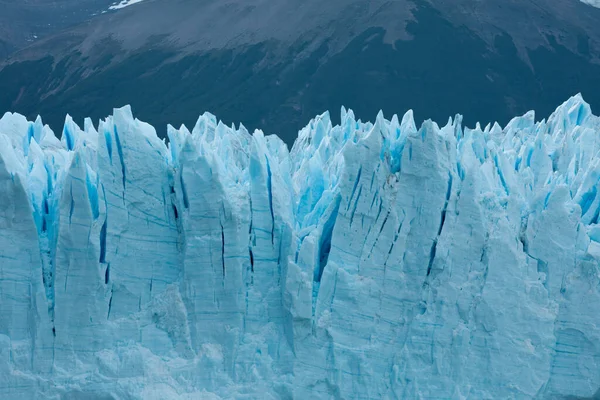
(370, 261)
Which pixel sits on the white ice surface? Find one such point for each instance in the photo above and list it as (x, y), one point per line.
(593, 3)
(123, 4)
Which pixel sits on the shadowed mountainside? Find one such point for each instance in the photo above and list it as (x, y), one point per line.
(274, 65)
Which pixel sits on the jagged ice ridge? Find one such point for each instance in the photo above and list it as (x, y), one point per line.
(370, 261)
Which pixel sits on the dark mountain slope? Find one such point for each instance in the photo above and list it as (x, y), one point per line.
(23, 22)
(272, 65)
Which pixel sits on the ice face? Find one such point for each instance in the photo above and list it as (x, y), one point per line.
(370, 261)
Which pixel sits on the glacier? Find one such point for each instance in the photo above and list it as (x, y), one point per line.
(370, 261)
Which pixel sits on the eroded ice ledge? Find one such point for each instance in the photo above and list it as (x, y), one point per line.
(370, 261)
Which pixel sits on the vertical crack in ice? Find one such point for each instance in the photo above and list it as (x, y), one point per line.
(45, 244)
(108, 141)
(250, 238)
(379, 235)
(178, 216)
(184, 193)
(68, 136)
(107, 274)
(51, 221)
(71, 204)
(484, 261)
(102, 259)
(433, 250)
(355, 205)
(523, 234)
(448, 194)
(394, 241)
(109, 305)
(222, 247)
(270, 193)
(326, 237)
(501, 174)
(375, 197)
(541, 265)
(587, 199)
(92, 188)
(354, 187)
(121, 159)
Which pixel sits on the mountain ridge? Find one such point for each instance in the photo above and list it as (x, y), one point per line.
(223, 55)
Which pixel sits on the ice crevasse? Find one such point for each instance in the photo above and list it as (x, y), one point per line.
(372, 261)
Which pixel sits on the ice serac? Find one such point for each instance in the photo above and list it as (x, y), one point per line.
(372, 260)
